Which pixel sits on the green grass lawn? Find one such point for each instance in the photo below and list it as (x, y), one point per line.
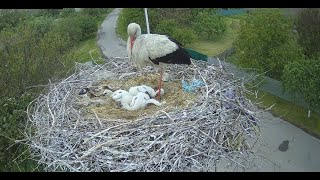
(290, 112)
(215, 47)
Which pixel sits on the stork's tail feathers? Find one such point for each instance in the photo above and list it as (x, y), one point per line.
(196, 55)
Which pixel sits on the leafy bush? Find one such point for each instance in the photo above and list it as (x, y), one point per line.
(40, 25)
(12, 121)
(65, 12)
(32, 51)
(49, 12)
(209, 25)
(166, 27)
(27, 60)
(184, 35)
(69, 29)
(77, 27)
(87, 24)
(11, 17)
(266, 43)
(302, 77)
(308, 27)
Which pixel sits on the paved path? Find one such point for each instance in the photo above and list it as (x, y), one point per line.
(108, 42)
(284, 146)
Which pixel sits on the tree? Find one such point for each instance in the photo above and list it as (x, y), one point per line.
(266, 43)
(308, 27)
(171, 28)
(303, 77)
(209, 24)
(11, 17)
(28, 60)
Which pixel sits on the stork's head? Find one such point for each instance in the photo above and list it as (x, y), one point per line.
(117, 95)
(134, 31)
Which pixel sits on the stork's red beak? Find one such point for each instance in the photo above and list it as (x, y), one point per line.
(132, 38)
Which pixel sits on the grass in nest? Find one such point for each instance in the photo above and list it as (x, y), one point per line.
(174, 96)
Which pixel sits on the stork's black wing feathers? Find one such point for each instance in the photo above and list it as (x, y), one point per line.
(179, 56)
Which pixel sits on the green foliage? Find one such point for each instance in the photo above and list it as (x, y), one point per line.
(184, 35)
(12, 121)
(303, 77)
(49, 12)
(288, 111)
(65, 12)
(81, 53)
(167, 27)
(209, 25)
(69, 29)
(266, 43)
(308, 27)
(87, 24)
(41, 25)
(27, 60)
(31, 52)
(196, 11)
(76, 27)
(11, 17)
(171, 28)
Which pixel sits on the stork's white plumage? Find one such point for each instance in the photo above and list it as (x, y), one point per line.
(139, 101)
(122, 96)
(154, 49)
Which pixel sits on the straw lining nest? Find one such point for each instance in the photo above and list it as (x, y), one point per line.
(179, 136)
(174, 97)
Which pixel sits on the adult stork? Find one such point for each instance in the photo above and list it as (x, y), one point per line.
(154, 50)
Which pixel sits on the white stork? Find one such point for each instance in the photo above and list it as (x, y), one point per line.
(154, 49)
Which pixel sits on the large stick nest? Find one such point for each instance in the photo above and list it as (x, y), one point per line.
(217, 123)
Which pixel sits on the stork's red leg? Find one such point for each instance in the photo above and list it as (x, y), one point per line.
(159, 95)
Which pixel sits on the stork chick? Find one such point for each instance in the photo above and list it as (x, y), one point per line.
(145, 89)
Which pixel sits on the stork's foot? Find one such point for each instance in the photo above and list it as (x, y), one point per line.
(158, 97)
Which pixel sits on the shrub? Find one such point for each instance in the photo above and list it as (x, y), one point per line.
(308, 27)
(209, 25)
(65, 12)
(266, 43)
(171, 28)
(12, 122)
